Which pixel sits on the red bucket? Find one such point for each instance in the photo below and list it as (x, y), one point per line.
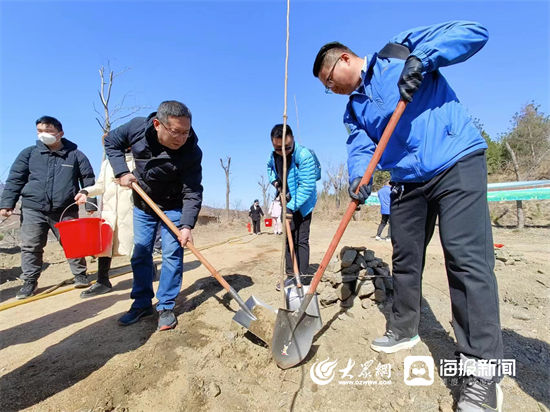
(268, 222)
(85, 236)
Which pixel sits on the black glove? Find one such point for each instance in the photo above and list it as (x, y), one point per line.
(364, 190)
(411, 78)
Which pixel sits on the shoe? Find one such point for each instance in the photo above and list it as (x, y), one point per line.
(479, 395)
(378, 237)
(390, 344)
(167, 320)
(157, 252)
(135, 314)
(388, 239)
(95, 290)
(278, 286)
(81, 281)
(27, 290)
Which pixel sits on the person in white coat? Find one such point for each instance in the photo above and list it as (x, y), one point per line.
(275, 213)
(117, 210)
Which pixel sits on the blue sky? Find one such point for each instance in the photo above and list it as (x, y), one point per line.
(225, 60)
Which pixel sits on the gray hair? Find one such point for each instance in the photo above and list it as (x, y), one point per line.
(172, 108)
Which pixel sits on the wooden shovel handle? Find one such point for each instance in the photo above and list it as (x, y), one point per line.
(293, 253)
(176, 232)
(390, 127)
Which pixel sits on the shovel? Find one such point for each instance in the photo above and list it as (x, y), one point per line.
(295, 290)
(294, 330)
(258, 327)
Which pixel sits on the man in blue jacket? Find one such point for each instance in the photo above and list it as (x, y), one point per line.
(384, 198)
(436, 156)
(168, 168)
(302, 174)
(46, 176)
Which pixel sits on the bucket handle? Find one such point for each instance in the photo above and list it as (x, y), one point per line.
(72, 204)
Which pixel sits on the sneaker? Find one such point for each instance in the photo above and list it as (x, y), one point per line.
(95, 290)
(27, 290)
(135, 314)
(81, 281)
(167, 320)
(388, 239)
(378, 237)
(390, 344)
(479, 395)
(157, 252)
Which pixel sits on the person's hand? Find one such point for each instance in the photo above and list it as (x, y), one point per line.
(127, 180)
(185, 236)
(289, 214)
(411, 78)
(364, 190)
(6, 212)
(80, 198)
(277, 184)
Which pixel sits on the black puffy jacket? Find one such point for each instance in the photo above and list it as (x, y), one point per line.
(47, 180)
(172, 178)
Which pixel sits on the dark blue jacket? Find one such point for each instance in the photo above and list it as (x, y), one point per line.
(172, 178)
(435, 130)
(47, 180)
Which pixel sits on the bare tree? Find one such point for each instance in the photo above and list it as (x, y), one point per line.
(336, 181)
(264, 185)
(227, 183)
(120, 111)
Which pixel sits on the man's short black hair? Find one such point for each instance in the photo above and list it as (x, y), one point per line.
(277, 131)
(319, 60)
(50, 120)
(172, 108)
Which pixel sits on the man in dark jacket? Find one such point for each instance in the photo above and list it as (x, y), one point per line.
(256, 214)
(47, 177)
(168, 168)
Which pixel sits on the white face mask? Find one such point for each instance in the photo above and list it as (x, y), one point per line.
(47, 138)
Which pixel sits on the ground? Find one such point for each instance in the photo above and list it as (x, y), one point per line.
(62, 353)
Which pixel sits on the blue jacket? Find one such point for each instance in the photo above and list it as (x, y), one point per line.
(435, 130)
(384, 198)
(301, 179)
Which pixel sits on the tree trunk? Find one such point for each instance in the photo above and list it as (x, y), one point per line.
(519, 203)
(227, 184)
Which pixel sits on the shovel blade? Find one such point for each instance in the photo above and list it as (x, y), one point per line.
(292, 337)
(262, 321)
(294, 297)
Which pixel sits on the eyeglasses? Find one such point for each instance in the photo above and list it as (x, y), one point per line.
(173, 133)
(329, 83)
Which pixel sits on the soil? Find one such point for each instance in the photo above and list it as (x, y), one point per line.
(63, 353)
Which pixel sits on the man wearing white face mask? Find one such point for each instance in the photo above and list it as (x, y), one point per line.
(47, 177)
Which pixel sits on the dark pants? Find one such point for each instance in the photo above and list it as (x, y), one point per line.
(256, 226)
(103, 267)
(382, 225)
(458, 196)
(300, 234)
(34, 236)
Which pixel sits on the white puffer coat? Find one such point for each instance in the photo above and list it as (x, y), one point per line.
(117, 208)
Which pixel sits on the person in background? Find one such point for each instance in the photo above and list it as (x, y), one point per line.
(275, 213)
(384, 198)
(117, 210)
(256, 214)
(301, 191)
(46, 176)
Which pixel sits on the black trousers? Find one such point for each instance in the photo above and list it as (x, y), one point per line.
(458, 196)
(300, 234)
(256, 226)
(383, 222)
